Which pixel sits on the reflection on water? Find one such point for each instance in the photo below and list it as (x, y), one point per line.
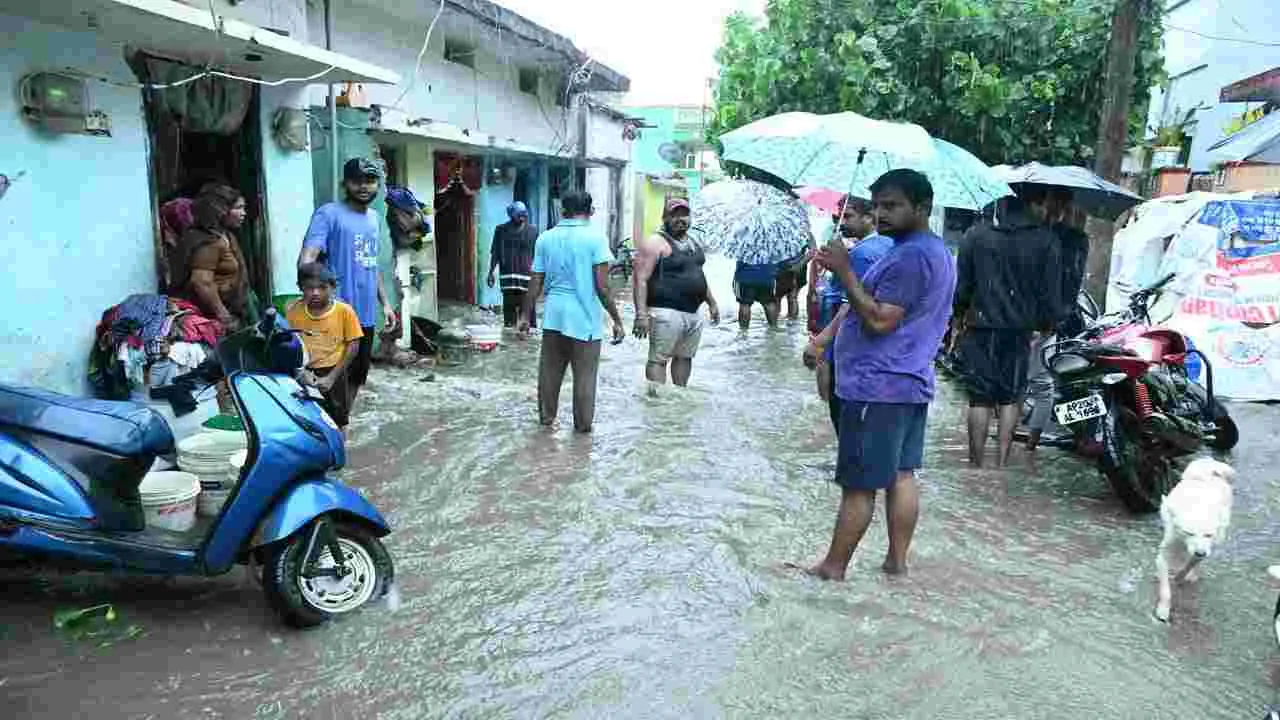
(638, 573)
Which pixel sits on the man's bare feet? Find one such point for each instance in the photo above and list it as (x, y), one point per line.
(891, 567)
(820, 571)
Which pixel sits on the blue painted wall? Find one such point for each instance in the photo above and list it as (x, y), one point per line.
(287, 176)
(492, 207)
(76, 233)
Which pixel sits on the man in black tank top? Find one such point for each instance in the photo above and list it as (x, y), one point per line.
(670, 288)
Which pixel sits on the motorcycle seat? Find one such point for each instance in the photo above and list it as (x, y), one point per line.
(120, 428)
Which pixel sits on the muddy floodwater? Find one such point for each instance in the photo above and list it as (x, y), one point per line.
(638, 573)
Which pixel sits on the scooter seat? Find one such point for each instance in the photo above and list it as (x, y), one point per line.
(120, 428)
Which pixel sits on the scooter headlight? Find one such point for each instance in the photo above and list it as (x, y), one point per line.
(1067, 363)
(1114, 378)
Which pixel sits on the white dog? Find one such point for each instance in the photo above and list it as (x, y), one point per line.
(1196, 515)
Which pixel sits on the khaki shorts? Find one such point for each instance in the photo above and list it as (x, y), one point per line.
(674, 334)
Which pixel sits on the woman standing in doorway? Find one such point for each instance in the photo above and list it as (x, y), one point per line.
(208, 267)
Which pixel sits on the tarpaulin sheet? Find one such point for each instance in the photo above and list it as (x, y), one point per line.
(1227, 293)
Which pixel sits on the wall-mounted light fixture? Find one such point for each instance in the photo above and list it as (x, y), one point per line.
(60, 103)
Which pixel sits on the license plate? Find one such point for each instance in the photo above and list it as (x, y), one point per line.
(1077, 410)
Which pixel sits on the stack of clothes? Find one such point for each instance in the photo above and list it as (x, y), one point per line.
(146, 342)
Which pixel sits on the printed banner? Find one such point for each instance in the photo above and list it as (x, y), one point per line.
(1228, 266)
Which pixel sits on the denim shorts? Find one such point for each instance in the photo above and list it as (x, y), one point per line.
(877, 441)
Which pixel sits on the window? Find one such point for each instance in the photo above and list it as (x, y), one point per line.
(529, 81)
(457, 51)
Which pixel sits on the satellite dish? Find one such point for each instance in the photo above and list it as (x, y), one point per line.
(671, 152)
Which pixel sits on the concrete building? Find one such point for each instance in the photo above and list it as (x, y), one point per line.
(1208, 45)
(671, 157)
(493, 108)
(79, 216)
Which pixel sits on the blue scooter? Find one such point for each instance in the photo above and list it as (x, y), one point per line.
(70, 469)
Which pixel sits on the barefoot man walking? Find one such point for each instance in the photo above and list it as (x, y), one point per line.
(884, 355)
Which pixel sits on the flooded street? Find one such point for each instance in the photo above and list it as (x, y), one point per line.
(639, 573)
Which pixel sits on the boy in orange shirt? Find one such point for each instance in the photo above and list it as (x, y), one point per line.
(331, 334)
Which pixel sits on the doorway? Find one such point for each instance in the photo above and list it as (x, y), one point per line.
(455, 244)
(206, 132)
(458, 179)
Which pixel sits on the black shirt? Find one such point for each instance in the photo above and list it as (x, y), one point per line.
(678, 282)
(1009, 275)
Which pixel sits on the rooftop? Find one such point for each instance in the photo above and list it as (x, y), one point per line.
(505, 24)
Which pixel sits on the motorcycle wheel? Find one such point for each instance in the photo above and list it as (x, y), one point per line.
(1225, 433)
(1138, 476)
(306, 602)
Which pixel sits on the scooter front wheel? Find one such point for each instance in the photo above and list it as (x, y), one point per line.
(309, 596)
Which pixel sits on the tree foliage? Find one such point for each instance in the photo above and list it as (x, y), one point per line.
(1010, 80)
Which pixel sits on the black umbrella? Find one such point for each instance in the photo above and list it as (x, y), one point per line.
(1089, 192)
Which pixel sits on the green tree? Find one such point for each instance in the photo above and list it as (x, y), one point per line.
(1009, 80)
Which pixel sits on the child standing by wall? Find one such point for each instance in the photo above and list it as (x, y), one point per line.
(331, 334)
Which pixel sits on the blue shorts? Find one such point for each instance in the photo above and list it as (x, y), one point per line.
(877, 441)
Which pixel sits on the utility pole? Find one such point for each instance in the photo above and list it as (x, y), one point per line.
(1113, 131)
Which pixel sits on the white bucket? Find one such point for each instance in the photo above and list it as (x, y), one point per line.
(169, 499)
(484, 337)
(206, 453)
(238, 459)
(210, 502)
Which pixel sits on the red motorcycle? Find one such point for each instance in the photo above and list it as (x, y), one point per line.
(1123, 390)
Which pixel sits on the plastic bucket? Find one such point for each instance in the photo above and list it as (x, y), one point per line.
(483, 337)
(238, 459)
(169, 499)
(206, 453)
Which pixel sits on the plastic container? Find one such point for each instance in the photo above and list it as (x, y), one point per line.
(238, 459)
(229, 423)
(483, 338)
(205, 455)
(207, 452)
(169, 499)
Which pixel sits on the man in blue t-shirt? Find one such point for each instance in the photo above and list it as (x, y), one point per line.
(571, 264)
(856, 227)
(344, 237)
(897, 314)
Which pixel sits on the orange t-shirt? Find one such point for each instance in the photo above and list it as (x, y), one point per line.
(328, 333)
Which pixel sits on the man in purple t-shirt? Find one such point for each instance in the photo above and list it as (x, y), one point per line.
(898, 313)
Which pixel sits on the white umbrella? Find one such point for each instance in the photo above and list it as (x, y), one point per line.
(848, 152)
(750, 221)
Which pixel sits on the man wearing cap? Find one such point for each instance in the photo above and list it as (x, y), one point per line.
(344, 236)
(512, 259)
(670, 288)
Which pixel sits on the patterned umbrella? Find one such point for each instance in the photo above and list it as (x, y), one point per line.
(847, 152)
(750, 221)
